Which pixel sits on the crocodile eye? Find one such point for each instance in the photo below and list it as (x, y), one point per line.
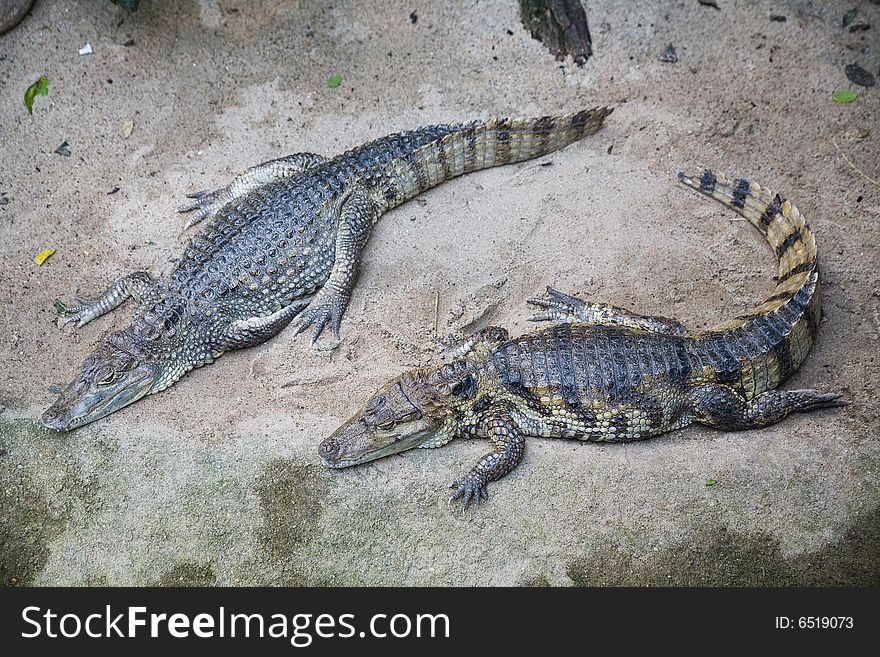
(414, 414)
(108, 377)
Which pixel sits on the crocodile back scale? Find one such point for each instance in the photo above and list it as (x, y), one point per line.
(282, 245)
(604, 373)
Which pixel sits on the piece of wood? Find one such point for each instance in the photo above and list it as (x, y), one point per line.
(561, 25)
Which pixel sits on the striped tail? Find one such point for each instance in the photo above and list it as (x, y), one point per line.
(481, 145)
(772, 340)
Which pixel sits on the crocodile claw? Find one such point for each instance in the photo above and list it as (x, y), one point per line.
(82, 313)
(324, 311)
(556, 305)
(469, 489)
(207, 203)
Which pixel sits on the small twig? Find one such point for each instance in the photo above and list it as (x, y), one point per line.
(854, 167)
(436, 311)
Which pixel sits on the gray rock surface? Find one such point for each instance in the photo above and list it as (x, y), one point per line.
(217, 480)
(11, 13)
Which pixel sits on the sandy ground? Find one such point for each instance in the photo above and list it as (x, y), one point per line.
(217, 480)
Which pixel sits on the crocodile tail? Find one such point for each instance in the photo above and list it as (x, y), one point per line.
(484, 144)
(773, 339)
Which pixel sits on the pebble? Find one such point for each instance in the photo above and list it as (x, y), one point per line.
(669, 55)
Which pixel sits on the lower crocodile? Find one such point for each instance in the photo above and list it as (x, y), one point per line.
(603, 373)
(283, 245)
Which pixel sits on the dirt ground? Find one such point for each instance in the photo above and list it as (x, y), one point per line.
(217, 479)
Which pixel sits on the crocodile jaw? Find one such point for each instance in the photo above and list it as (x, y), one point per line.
(357, 442)
(84, 401)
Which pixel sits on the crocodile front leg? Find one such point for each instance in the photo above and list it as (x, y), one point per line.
(508, 449)
(139, 285)
(723, 408)
(356, 216)
(565, 308)
(208, 203)
(251, 332)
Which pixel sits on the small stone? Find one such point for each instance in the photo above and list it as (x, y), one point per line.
(669, 55)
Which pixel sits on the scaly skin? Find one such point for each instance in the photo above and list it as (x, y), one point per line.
(604, 373)
(283, 245)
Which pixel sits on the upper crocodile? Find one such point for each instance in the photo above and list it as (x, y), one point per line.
(604, 373)
(284, 242)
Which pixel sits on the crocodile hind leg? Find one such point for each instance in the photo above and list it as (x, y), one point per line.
(139, 285)
(356, 216)
(508, 447)
(723, 408)
(207, 203)
(480, 342)
(561, 307)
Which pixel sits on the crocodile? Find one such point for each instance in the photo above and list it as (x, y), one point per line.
(604, 373)
(282, 245)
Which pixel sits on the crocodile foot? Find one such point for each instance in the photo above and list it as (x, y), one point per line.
(325, 310)
(206, 203)
(469, 489)
(557, 305)
(82, 313)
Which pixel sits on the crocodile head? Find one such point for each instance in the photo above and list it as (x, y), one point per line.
(119, 372)
(395, 419)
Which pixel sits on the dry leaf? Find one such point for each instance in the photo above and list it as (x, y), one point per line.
(41, 257)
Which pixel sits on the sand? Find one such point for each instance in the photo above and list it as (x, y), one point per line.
(217, 479)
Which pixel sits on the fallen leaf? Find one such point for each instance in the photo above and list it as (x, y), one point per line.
(857, 75)
(844, 96)
(38, 88)
(60, 306)
(127, 129)
(711, 482)
(334, 80)
(856, 134)
(41, 257)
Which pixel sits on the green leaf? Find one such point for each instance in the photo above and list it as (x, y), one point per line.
(60, 308)
(334, 80)
(38, 88)
(711, 482)
(127, 129)
(844, 96)
(128, 5)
